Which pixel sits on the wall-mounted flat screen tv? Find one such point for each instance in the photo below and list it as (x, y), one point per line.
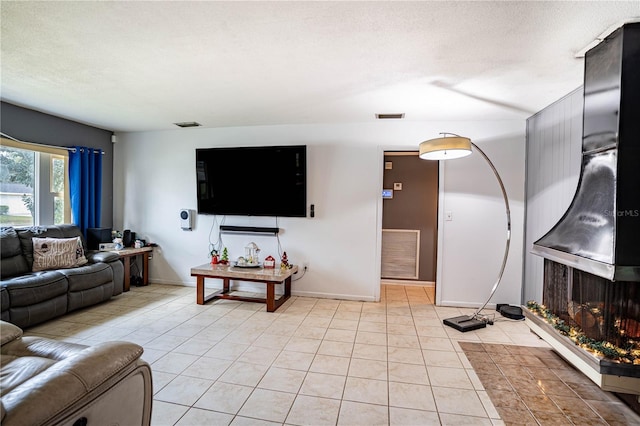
(252, 181)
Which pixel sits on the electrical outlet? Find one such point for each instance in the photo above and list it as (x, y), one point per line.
(305, 266)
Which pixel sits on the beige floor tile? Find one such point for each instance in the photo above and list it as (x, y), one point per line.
(408, 417)
(160, 380)
(431, 343)
(405, 355)
(280, 329)
(184, 390)
(442, 359)
(373, 327)
(368, 316)
(355, 413)
(316, 321)
(408, 373)
(449, 377)
(302, 344)
(294, 360)
(330, 365)
(140, 337)
(369, 338)
(374, 352)
(407, 395)
(267, 405)
(323, 385)
(342, 324)
(260, 356)
(403, 341)
(337, 335)
(224, 397)
(185, 330)
(243, 337)
(174, 362)
(402, 329)
(313, 411)
(310, 332)
(456, 420)
(197, 416)
(195, 347)
(242, 373)
(283, 380)
(166, 414)
(343, 349)
(207, 368)
(399, 316)
(366, 390)
(350, 306)
(346, 315)
(368, 369)
(227, 350)
(271, 341)
(458, 401)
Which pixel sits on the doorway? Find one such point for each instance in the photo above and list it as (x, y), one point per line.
(409, 220)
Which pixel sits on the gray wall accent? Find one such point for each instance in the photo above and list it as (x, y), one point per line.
(554, 152)
(415, 206)
(33, 126)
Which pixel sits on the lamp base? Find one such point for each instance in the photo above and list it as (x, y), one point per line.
(464, 323)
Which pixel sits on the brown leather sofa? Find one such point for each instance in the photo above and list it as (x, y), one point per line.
(48, 382)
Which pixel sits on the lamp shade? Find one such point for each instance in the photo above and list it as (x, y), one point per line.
(445, 148)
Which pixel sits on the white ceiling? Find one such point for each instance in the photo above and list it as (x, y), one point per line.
(137, 66)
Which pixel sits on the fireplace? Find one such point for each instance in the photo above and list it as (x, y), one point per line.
(603, 310)
(590, 311)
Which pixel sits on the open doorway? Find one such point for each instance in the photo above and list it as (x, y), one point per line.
(409, 220)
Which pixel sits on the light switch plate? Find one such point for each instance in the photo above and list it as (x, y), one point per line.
(397, 186)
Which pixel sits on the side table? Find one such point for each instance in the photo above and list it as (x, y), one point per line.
(126, 254)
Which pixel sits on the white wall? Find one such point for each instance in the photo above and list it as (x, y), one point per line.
(155, 178)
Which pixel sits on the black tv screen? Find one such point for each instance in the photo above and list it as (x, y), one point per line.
(252, 181)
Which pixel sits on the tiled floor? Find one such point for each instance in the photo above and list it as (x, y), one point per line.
(313, 362)
(531, 386)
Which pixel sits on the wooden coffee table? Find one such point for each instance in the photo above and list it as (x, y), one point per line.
(270, 277)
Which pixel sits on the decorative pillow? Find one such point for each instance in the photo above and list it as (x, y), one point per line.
(57, 253)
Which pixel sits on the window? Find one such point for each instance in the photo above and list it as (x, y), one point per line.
(34, 185)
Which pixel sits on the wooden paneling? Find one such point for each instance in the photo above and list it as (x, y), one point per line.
(554, 152)
(400, 253)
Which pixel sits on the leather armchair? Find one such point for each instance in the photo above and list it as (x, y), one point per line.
(48, 382)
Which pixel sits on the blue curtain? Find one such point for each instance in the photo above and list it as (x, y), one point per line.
(85, 181)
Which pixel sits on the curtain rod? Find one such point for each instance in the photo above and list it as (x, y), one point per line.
(44, 144)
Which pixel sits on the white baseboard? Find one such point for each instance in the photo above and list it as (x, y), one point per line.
(385, 281)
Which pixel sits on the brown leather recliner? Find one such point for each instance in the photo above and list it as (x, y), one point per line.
(48, 382)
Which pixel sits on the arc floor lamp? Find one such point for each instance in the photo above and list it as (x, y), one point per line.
(449, 147)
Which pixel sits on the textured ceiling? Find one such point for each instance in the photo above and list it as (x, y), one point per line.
(137, 66)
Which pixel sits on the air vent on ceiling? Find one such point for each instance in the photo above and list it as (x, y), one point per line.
(188, 124)
(395, 116)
